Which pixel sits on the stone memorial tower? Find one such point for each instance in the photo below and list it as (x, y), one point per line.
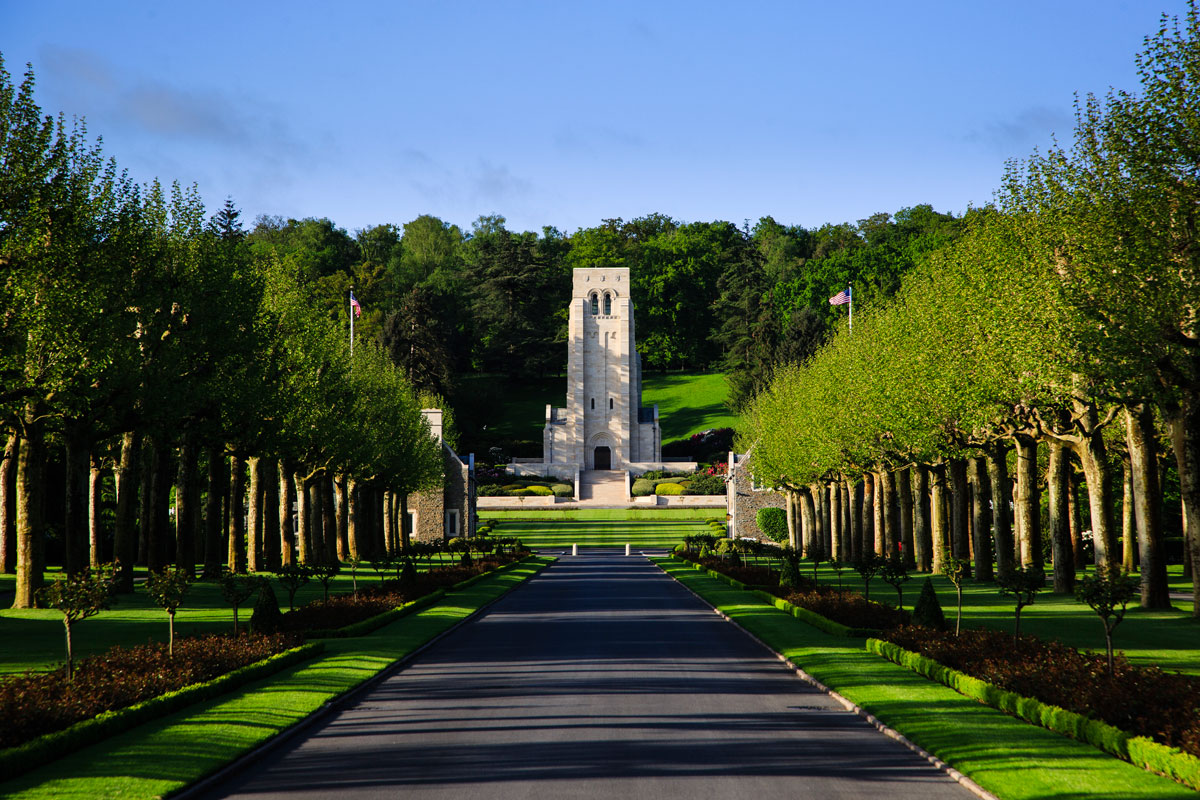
(604, 425)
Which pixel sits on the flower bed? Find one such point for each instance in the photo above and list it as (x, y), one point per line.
(38, 703)
(1145, 701)
(846, 608)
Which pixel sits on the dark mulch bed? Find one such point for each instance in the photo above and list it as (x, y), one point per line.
(847, 608)
(1142, 700)
(346, 609)
(39, 703)
(842, 606)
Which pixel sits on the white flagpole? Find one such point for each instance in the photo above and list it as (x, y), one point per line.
(850, 294)
(352, 324)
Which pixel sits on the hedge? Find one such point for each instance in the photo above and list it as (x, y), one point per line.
(668, 489)
(44, 749)
(1138, 750)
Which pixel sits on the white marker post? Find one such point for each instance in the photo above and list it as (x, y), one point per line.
(574, 549)
(628, 552)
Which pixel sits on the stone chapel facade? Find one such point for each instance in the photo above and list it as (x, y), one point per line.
(604, 425)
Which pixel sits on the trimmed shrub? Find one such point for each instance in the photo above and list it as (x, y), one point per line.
(521, 493)
(773, 523)
(563, 490)
(265, 617)
(707, 485)
(668, 490)
(537, 490)
(642, 487)
(489, 490)
(512, 487)
(928, 611)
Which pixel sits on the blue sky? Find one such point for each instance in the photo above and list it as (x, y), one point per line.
(565, 113)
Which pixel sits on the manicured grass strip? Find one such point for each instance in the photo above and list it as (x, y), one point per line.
(548, 534)
(1005, 755)
(643, 514)
(1139, 750)
(379, 620)
(167, 755)
(18, 760)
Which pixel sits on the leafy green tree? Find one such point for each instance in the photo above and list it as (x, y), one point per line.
(168, 588)
(773, 524)
(77, 597)
(957, 571)
(1108, 592)
(291, 577)
(1023, 586)
(896, 574)
(868, 567)
(236, 589)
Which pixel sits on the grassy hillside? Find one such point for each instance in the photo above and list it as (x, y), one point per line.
(491, 411)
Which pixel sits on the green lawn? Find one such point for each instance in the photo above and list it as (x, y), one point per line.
(164, 756)
(1005, 755)
(642, 528)
(134, 619)
(688, 402)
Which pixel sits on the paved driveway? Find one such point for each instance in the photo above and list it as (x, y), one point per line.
(602, 677)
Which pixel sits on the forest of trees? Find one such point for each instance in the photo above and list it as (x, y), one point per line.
(173, 383)
(1053, 343)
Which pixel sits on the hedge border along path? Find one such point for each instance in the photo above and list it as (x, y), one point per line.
(164, 757)
(1139, 750)
(1005, 755)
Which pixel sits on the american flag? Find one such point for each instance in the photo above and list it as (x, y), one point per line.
(358, 309)
(840, 299)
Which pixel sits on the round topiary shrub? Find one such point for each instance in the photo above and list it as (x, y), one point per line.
(521, 493)
(668, 489)
(773, 523)
(512, 487)
(642, 487)
(538, 490)
(562, 490)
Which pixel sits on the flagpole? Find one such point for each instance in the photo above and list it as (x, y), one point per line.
(351, 322)
(849, 293)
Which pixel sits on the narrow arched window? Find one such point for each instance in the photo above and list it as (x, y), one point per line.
(607, 304)
(610, 404)
(595, 304)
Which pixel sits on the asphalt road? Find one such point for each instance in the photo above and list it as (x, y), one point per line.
(601, 677)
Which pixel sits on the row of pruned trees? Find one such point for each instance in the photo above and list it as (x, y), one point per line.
(1059, 330)
(147, 356)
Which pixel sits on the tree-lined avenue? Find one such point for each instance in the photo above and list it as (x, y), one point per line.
(601, 677)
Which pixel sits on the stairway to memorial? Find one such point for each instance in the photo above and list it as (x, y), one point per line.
(602, 487)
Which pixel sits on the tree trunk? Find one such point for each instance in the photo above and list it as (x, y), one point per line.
(271, 539)
(938, 524)
(1147, 502)
(815, 494)
(847, 498)
(826, 524)
(791, 518)
(406, 528)
(870, 492)
(254, 525)
(95, 484)
(834, 504)
(31, 468)
(329, 521)
(997, 469)
(907, 537)
(287, 520)
(145, 501)
(357, 549)
(343, 519)
(75, 520)
(879, 514)
(1074, 517)
(1128, 522)
(891, 513)
(808, 524)
(316, 521)
(303, 521)
(1093, 455)
(161, 540)
(8, 505)
(214, 551)
(981, 518)
(922, 533)
(960, 506)
(1062, 551)
(1185, 437)
(1029, 501)
(128, 481)
(187, 495)
(856, 520)
(237, 514)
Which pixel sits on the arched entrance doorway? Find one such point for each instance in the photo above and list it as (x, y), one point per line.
(602, 458)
